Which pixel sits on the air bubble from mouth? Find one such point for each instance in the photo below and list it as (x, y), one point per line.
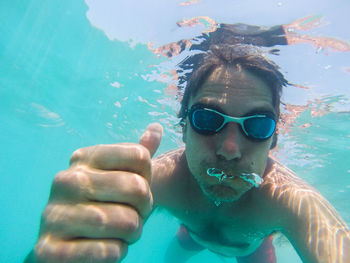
(251, 178)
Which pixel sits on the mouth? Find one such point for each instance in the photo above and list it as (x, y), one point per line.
(252, 178)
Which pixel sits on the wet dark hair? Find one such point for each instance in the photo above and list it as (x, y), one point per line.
(195, 70)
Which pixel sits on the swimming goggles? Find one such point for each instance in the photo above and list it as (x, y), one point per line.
(207, 121)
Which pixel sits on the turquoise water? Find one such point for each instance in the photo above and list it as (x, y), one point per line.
(79, 73)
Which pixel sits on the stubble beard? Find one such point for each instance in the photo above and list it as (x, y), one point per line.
(218, 192)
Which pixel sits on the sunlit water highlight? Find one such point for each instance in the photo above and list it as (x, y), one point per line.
(75, 73)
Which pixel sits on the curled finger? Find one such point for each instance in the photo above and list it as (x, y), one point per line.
(53, 250)
(92, 220)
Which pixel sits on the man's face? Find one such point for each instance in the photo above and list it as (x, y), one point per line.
(235, 93)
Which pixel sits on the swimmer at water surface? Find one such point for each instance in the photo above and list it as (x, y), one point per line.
(229, 194)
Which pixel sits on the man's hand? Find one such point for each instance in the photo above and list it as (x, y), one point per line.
(98, 206)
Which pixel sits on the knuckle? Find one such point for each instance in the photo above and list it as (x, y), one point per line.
(54, 219)
(84, 155)
(66, 179)
(144, 196)
(77, 155)
(120, 251)
(70, 182)
(117, 252)
(132, 226)
(109, 251)
(62, 178)
(141, 194)
(101, 251)
(140, 188)
(43, 251)
(46, 251)
(51, 217)
(46, 213)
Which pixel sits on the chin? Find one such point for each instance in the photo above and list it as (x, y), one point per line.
(223, 193)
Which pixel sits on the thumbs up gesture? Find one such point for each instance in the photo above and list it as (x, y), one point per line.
(98, 206)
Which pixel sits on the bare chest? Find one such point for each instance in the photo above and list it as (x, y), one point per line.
(226, 226)
(226, 230)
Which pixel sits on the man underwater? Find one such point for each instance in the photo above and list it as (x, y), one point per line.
(230, 196)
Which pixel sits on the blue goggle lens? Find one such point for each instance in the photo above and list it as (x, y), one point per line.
(207, 121)
(260, 127)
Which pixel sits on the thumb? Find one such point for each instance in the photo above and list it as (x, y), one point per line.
(151, 137)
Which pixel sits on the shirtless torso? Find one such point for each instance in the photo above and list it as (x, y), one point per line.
(238, 228)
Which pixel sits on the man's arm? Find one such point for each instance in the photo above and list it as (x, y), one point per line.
(316, 230)
(311, 224)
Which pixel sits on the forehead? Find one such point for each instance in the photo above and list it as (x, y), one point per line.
(235, 90)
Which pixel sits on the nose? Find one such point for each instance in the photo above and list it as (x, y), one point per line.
(229, 143)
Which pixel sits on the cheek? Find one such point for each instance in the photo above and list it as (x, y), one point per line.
(193, 159)
(199, 145)
(198, 150)
(257, 156)
(194, 146)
